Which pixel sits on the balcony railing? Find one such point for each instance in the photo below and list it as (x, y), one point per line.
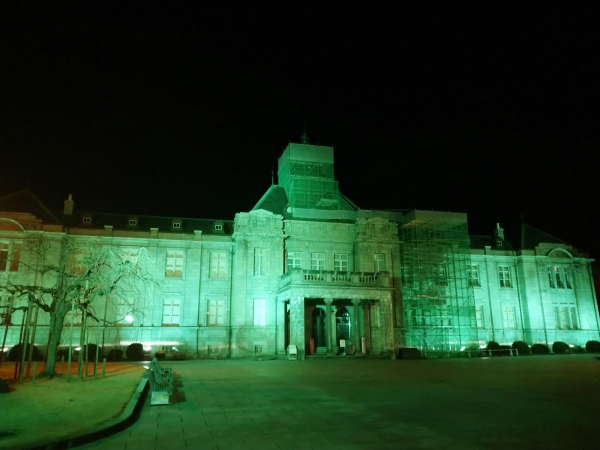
(302, 276)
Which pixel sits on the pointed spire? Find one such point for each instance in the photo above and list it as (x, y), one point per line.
(272, 177)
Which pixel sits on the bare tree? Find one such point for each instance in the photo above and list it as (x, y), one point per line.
(72, 274)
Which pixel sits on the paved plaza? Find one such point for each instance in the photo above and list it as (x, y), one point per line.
(543, 402)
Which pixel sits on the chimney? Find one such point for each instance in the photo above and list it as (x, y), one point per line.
(69, 206)
(499, 232)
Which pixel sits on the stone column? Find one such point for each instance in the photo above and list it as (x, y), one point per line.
(328, 330)
(357, 335)
(280, 318)
(386, 311)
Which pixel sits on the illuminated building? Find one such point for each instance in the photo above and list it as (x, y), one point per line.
(306, 267)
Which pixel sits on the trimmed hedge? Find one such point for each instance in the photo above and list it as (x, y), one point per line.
(115, 354)
(539, 349)
(15, 353)
(561, 347)
(91, 355)
(135, 352)
(493, 345)
(592, 346)
(522, 347)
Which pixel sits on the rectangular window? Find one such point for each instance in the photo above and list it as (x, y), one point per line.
(218, 265)
(573, 317)
(174, 266)
(260, 312)
(567, 277)
(473, 275)
(440, 274)
(379, 262)
(504, 276)
(260, 262)
(171, 311)
(76, 263)
(477, 317)
(216, 313)
(558, 278)
(130, 255)
(294, 260)
(551, 277)
(9, 258)
(508, 317)
(124, 311)
(340, 262)
(565, 318)
(317, 261)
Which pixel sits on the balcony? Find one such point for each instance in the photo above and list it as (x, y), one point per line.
(333, 278)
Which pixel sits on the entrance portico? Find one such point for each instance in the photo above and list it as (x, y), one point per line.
(317, 309)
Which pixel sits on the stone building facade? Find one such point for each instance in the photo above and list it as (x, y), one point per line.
(309, 269)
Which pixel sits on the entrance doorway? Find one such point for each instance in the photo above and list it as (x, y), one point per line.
(342, 322)
(318, 327)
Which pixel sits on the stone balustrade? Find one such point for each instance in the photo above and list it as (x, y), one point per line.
(303, 276)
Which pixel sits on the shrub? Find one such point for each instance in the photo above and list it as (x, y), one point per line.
(493, 345)
(521, 347)
(539, 349)
(561, 347)
(115, 354)
(592, 346)
(135, 352)
(91, 353)
(15, 353)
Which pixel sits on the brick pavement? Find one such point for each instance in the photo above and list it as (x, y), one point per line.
(545, 402)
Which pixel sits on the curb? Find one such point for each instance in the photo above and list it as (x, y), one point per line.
(127, 418)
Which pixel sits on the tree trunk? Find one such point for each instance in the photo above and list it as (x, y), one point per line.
(57, 320)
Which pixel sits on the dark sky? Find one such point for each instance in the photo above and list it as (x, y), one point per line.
(162, 108)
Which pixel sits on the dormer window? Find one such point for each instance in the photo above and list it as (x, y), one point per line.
(218, 227)
(86, 219)
(176, 224)
(132, 222)
(498, 243)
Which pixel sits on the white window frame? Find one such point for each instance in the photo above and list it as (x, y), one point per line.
(172, 311)
(340, 262)
(473, 275)
(504, 277)
(477, 317)
(174, 264)
(559, 277)
(10, 261)
(317, 261)
(217, 265)
(215, 312)
(260, 312)
(440, 273)
(260, 262)
(509, 317)
(565, 317)
(379, 262)
(123, 308)
(294, 260)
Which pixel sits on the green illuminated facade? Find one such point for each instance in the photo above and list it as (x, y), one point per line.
(306, 267)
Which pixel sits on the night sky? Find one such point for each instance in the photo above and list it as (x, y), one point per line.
(165, 109)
